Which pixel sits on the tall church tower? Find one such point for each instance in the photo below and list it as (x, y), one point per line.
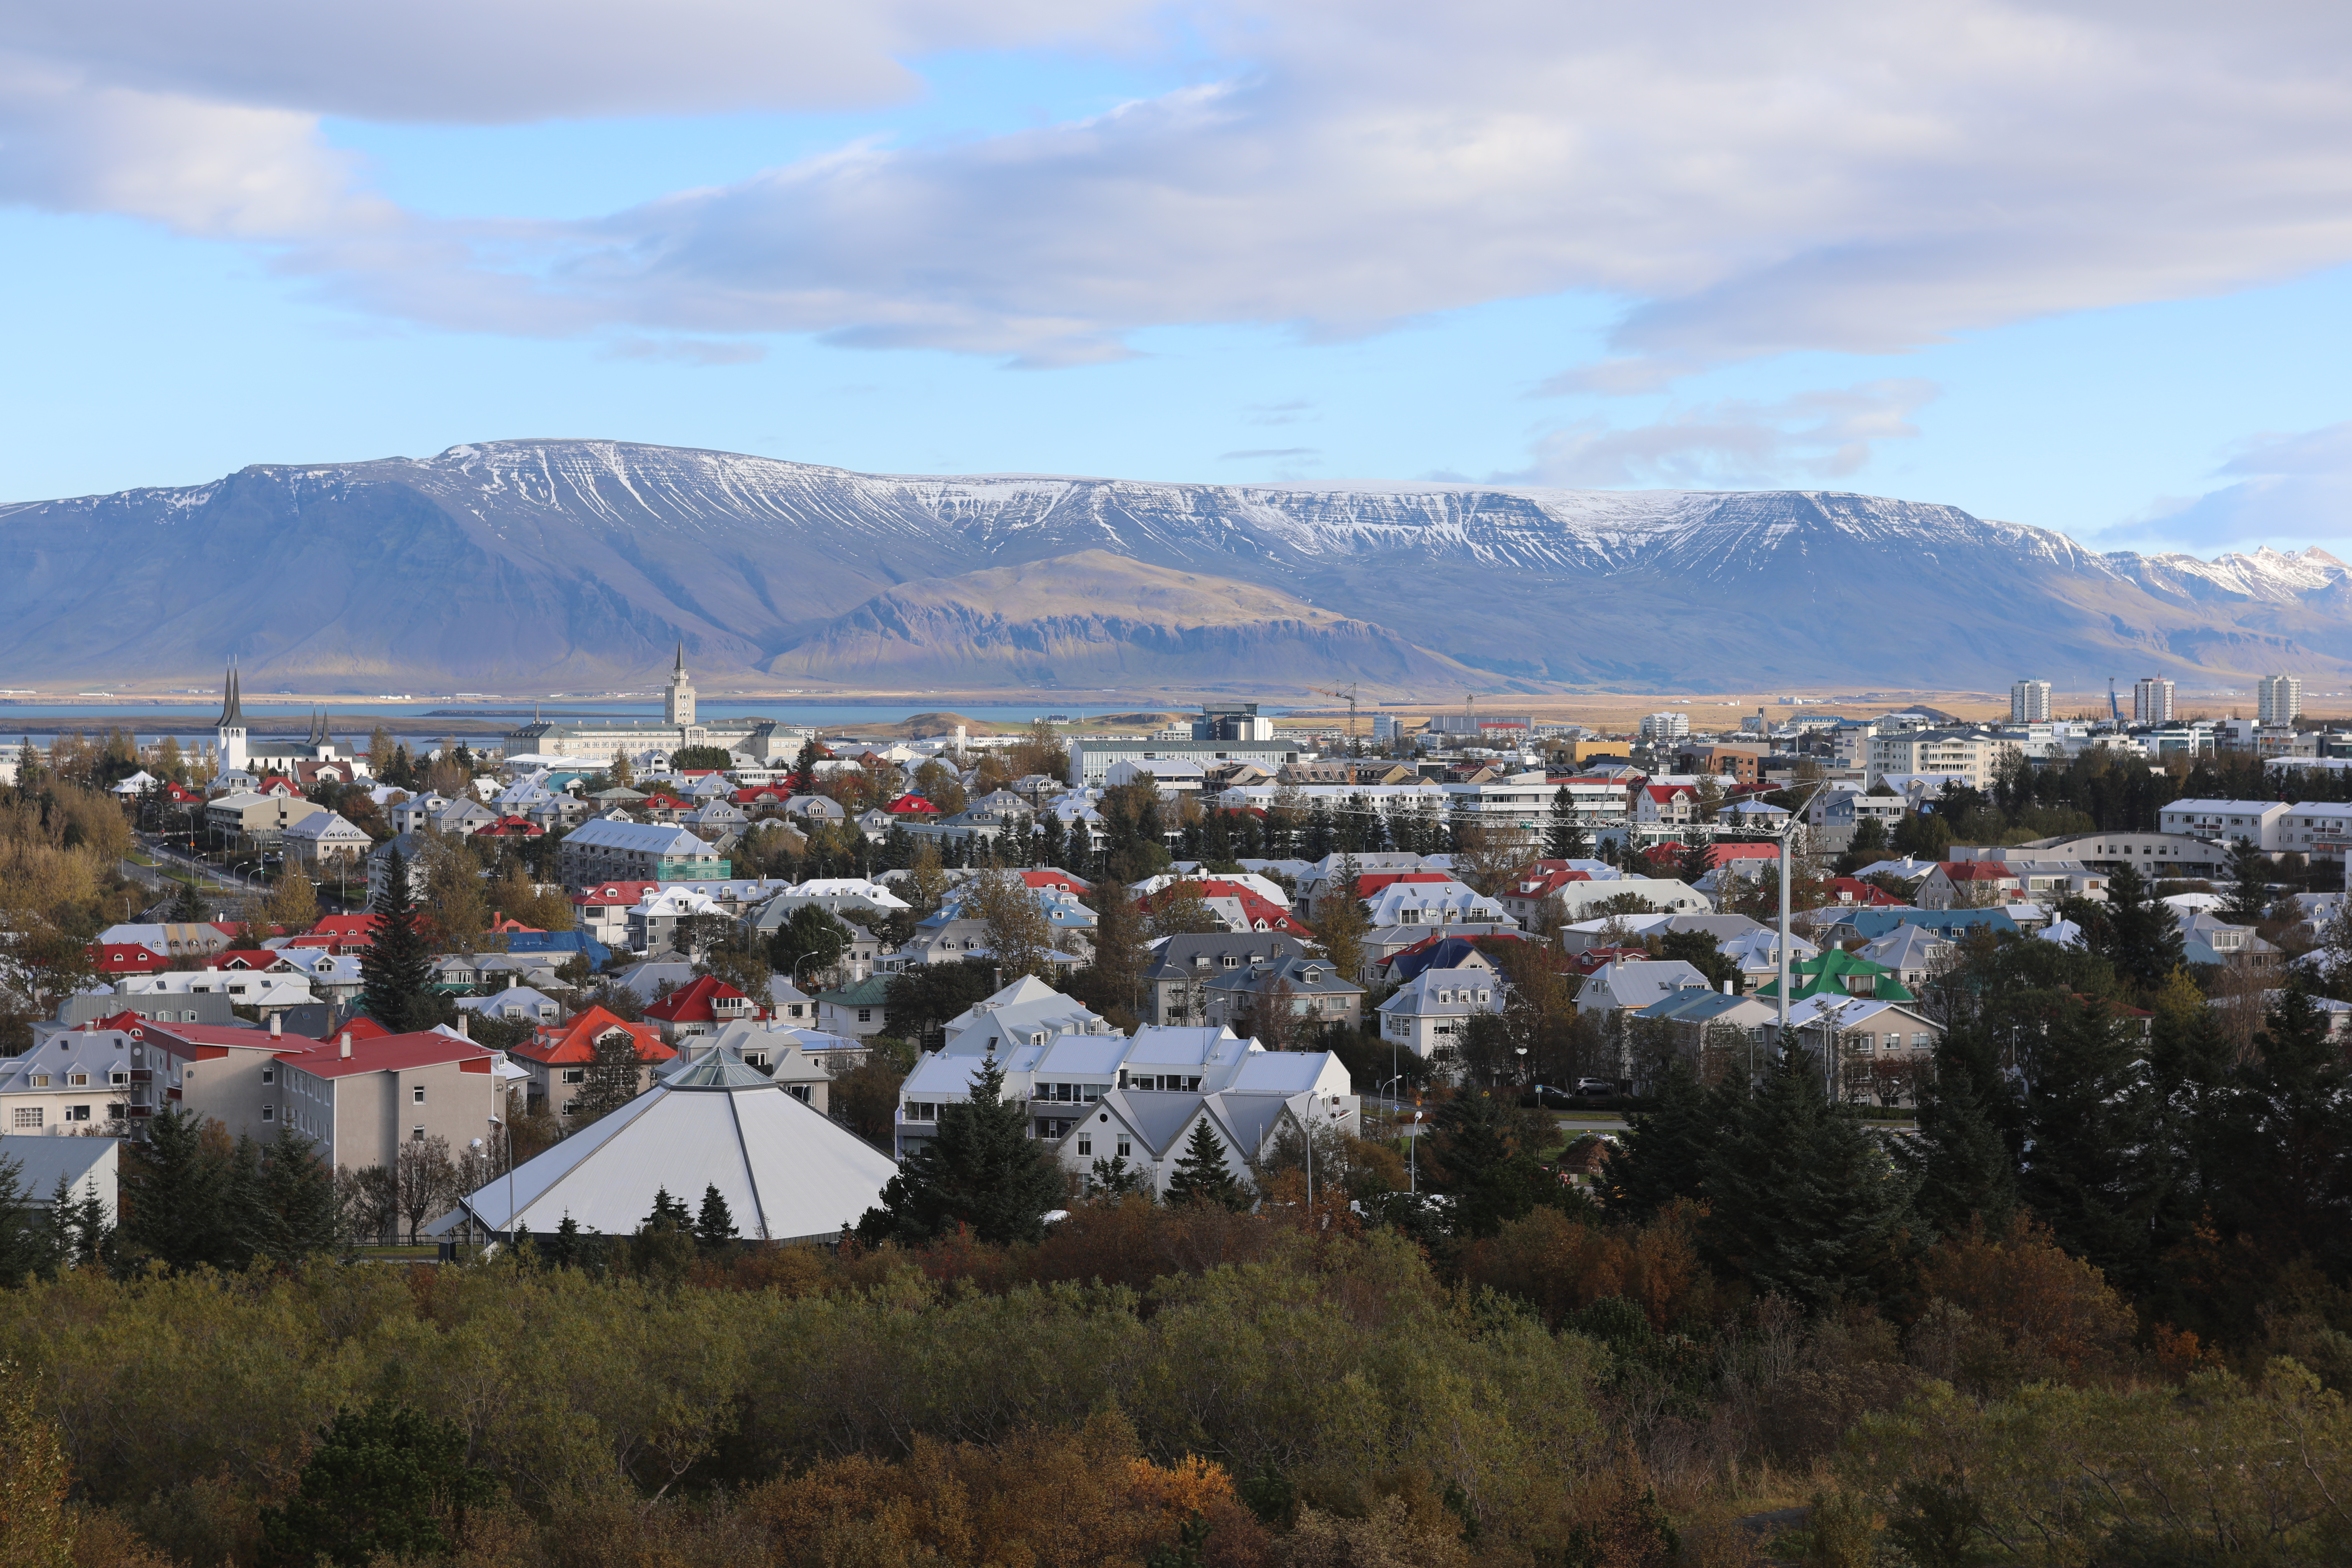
(230, 725)
(677, 703)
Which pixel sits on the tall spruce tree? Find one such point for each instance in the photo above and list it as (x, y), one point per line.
(1666, 1150)
(1201, 1174)
(1802, 1201)
(982, 1171)
(294, 1213)
(397, 968)
(187, 1201)
(1967, 1169)
(2287, 1135)
(2097, 1166)
(714, 1226)
(1481, 1152)
(2250, 883)
(1563, 830)
(2142, 938)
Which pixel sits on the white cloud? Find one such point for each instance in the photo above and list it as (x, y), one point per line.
(2290, 488)
(1831, 174)
(1735, 443)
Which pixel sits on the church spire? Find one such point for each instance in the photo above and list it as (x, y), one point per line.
(232, 711)
(681, 656)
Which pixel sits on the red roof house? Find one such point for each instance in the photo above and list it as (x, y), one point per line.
(914, 803)
(115, 958)
(700, 1007)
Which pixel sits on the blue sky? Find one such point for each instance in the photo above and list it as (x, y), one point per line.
(2087, 267)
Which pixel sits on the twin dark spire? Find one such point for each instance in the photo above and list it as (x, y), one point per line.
(231, 716)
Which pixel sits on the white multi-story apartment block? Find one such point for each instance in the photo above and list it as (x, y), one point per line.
(2152, 700)
(2261, 823)
(1665, 727)
(2279, 699)
(1973, 754)
(2318, 830)
(2029, 703)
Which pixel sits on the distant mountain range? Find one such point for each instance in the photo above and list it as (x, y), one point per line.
(576, 563)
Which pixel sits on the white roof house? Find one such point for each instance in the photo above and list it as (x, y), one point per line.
(87, 1165)
(788, 1173)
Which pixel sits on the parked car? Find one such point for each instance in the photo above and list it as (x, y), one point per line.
(1599, 1086)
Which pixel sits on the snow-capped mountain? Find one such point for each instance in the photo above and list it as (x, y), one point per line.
(583, 561)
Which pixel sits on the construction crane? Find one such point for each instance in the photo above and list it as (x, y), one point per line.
(1348, 697)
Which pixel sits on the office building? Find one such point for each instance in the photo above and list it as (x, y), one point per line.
(1232, 722)
(2152, 700)
(1666, 727)
(2029, 703)
(2280, 700)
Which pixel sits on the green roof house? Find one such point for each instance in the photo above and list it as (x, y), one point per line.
(1837, 973)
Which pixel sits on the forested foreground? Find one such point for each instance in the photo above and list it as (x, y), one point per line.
(1181, 1388)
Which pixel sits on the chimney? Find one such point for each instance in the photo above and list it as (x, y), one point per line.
(276, 1026)
(1731, 988)
(465, 1019)
(346, 1051)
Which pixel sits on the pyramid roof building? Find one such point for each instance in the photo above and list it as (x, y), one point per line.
(787, 1172)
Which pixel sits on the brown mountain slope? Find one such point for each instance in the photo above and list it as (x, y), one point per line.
(1093, 618)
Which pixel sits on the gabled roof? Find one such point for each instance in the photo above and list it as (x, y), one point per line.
(911, 802)
(692, 1003)
(574, 1040)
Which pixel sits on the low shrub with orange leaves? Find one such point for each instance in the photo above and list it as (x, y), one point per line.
(1561, 1264)
(1082, 1498)
(2031, 1310)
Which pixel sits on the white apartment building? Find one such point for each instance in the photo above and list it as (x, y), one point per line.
(1975, 755)
(2279, 699)
(2152, 700)
(2261, 823)
(2318, 830)
(2029, 703)
(1665, 727)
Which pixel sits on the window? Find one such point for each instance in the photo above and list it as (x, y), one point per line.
(25, 1116)
(1126, 1149)
(76, 1113)
(115, 1113)
(418, 1094)
(1085, 1147)
(118, 1078)
(866, 1016)
(40, 1081)
(576, 1074)
(270, 1113)
(269, 1075)
(416, 1134)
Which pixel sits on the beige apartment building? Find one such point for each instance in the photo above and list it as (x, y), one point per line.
(362, 1100)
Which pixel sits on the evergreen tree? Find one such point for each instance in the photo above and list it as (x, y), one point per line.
(1666, 1150)
(2287, 1134)
(387, 1480)
(294, 1210)
(2142, 938)
(1801, 1199)
(28, 1247)
(183, 1197)
(563, 1250)
(1481, 1151)
(669, 1214)
(188, 903)
(1115, 1178)
(1564, 833)
(2096, 1168)
(1967, 1170)
(714, 1227)
(1202, 1175)
(982, 1171)
(803, 779)
(1694, 861)
(2250, 883)
(396, 966)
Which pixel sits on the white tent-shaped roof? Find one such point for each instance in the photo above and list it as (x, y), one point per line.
(787, 1173)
